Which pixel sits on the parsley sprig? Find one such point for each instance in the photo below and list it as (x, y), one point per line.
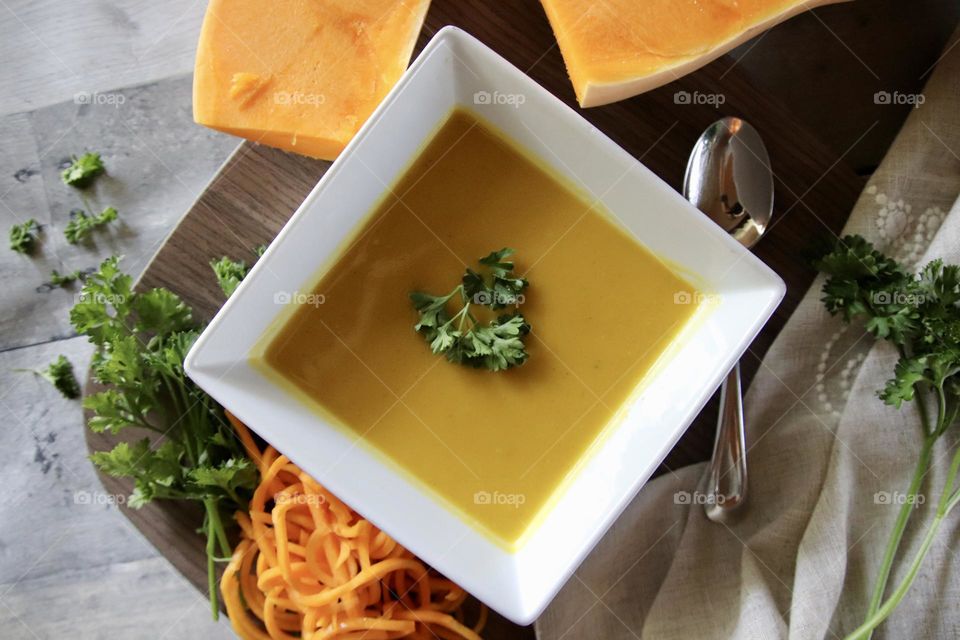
(59, 373)
(461, 337)
(83, 170)
(58, 279)
(230, 273)
(82, 173)
(82, 223)
(141, 341)
(919, 315)
(23, 236)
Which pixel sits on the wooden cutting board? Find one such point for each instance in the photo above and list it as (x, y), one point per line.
(258, 188)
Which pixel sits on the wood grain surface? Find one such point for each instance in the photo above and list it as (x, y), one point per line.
(258, 189)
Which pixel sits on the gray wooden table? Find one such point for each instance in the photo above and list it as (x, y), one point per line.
(114, 77)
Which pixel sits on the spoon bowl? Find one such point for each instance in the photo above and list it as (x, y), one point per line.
(728, 177)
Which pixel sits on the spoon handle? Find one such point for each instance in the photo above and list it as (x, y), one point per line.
(727, 474)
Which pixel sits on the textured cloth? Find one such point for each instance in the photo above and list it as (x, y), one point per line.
(829, 462)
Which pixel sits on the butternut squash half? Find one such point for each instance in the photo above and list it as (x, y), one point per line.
(616, 49)
(301, 75)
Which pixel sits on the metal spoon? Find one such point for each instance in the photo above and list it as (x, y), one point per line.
(729, 178)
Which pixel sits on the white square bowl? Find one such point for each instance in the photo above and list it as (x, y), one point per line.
(456, 69)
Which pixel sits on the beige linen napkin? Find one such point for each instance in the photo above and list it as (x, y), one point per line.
(829, 462)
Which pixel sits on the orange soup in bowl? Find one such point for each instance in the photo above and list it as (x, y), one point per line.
(494, 446)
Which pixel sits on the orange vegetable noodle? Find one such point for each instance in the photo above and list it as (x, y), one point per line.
(307, 566)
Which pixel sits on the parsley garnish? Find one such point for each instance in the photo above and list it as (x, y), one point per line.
(495, 345)
(83, 170)
(141, 340)
(23, 237)
(920, 316)
(81, 224)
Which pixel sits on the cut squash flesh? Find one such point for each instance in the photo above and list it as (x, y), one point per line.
(301, 75)
(615, 49)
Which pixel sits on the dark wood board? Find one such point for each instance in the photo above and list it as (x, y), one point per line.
(258, 188)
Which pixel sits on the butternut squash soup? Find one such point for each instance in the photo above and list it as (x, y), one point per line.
(494, 446)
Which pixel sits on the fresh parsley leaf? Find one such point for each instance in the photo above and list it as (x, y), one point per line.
(229, 476)
(866, 284)
(157, 471)
(499, 345)
(23, 237)
(231, 272)
(104, 303)
(501, 288)
(60, 374)
(919, 314)
(58, 279)
(909, 372)
(111, 411)
(161, 312)
(463, 339)
(81, 224)
(433, 313)
(123, 460)
(83, 170)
